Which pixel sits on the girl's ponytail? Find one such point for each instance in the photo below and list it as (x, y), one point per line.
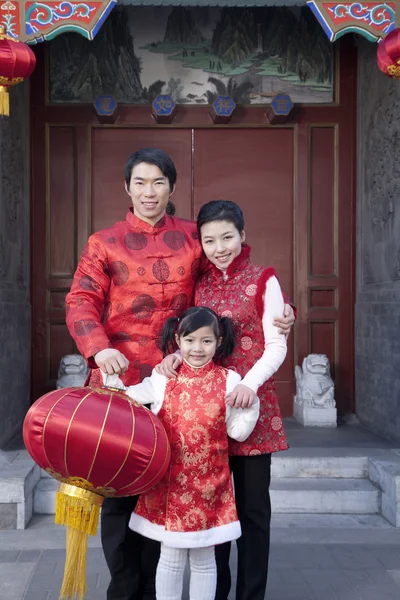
(168, 342)
(227, 345)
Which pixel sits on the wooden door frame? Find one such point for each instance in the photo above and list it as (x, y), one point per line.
(84, 118)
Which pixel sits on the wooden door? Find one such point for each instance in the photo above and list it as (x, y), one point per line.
(85, 171)
(254, 167)
(294, 183)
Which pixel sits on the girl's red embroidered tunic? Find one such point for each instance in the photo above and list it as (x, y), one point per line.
(193, 505)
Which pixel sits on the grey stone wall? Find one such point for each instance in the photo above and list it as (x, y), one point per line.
(378, 247)
(14, 265)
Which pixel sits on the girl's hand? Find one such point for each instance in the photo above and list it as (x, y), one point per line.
(241, 397)
(286, 322)
(168, 366)
(112, 381)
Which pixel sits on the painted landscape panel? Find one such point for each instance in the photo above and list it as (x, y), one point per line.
(195, 54)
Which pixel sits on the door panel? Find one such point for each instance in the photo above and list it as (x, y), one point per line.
(86, 193)
(254, 167)
(110, 150)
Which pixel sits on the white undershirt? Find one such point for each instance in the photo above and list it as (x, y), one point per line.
(275, 346)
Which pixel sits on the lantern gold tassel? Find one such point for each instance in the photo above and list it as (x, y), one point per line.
(79, 511)
(4, 101)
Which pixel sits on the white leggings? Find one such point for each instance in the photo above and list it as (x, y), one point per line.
(171, 568)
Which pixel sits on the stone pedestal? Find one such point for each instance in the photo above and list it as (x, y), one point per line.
(310, 416)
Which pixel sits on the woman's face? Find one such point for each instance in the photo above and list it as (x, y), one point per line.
(221, 242)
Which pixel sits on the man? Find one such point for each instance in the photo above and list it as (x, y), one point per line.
(130, 279)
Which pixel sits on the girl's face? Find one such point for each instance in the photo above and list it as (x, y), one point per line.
(198, 347)
(221, 243)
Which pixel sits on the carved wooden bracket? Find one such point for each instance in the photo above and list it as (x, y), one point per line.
(372, 20)
(34, 22)
(163, 109)
(106, 109)
(279, 109)
(222, 109)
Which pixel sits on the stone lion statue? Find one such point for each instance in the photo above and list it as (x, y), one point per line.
(72, 371)
(314, 385)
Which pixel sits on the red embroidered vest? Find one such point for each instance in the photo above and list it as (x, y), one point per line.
(196, 493)
(240, 297)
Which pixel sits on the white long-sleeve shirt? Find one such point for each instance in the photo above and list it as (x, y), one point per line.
(240, 422)
(275, 346)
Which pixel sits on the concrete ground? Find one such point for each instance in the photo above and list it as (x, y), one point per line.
(313, 557)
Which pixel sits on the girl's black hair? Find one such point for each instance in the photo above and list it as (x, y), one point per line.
(193, 319)
(220, 210)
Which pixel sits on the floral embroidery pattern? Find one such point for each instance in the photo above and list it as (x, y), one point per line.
(196, 494)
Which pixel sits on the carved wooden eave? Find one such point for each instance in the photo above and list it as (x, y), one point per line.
(372, 20)
(34, 22)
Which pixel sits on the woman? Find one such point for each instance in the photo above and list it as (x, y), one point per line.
(251, 296)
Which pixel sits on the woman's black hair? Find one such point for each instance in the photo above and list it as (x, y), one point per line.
(152, 156)
(220, 210)
(193, 319)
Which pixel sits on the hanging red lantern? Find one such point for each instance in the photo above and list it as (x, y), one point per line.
(17, 63)
(97, 443)
(388, 54)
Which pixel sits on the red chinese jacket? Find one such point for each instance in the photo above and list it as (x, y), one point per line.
(130, 279)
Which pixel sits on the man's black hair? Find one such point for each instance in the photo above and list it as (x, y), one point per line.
(152, 156)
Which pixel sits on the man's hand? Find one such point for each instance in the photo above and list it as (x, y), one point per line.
(241, 397)
(168, 366)
(286, 322)
(111, 361)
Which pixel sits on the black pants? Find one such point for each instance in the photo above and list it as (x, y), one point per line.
(131, 558)
(251, 476)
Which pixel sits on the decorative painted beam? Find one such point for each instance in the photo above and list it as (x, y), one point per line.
(35, 22)
(373, 20)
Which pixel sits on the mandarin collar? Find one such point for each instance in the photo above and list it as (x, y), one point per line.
(136, 223)
(238, 264)
(191, 372)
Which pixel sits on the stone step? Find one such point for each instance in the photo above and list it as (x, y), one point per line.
(290, 495)
(325, 496)
(19, 476)
(327, 522)
(294, 464)
(44, 497)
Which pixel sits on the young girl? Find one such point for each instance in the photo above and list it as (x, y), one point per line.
(192, 508)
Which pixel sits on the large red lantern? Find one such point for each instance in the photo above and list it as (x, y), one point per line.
(388, 54)
(17, 62)
(97, 443)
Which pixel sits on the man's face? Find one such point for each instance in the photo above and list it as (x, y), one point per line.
(149, 191)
